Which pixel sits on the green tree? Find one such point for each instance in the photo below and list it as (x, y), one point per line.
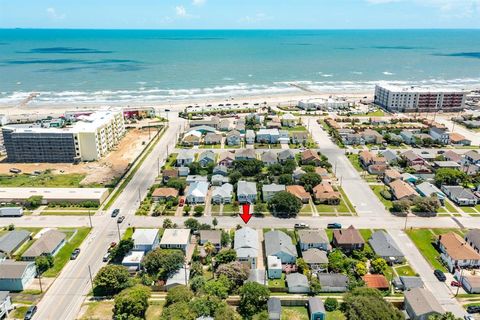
(224, 238)
(336, 261)
(379, 265)
(285, 179)
(451, 177)
(110, 280)
(167, 224)
(214, 222)
(402, 206)
(217, 288)
(225, 256)
(197, 284)
(225, 312)
(331, 304)
(121, 249)
(285, 204)
(275, 169)
(289, 166)
(302, 265)
(43, 263)
(205, 305)
(178, 294)
(445, 316)
(234, 176)
(198, 211)
(310, 180)
(248, 168)
(132, 302)
(315, 286)
(178, 311)
(34, 202)
(235, 272)
(163, 262)
(192, 224)
(178, 184)
(361, 269)
(366, 303)
(253, 299)
(427, 204)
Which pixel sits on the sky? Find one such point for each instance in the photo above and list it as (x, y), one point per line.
(240, 14)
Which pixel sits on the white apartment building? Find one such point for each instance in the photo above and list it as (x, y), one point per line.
(415, 99)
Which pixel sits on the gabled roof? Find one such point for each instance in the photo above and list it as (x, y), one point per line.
(233, 133)
(12, 240)
(175, 236)
(298, 191)
(269, 156)
(474, 155)
(310, 155)
(278, 241)
(384, 245)
(315, 256)
(224, 191)
(333, 280)
(185, 155)
(246, 242)
(315, 305)
(348, 236)
(46, 244)
(246, 153)
(389, 155)
(376, 281)
(297, 280)
(474, 237)
(11, 269)
(212, 236)
(457, 248)
(208, 155)
(460, 192)
(246, 188)
(165, 192)
(226, 155)
(312, 236)
(401, 189)
(452, 156)
(411, 156)
(422, 302)
(198, 189)
(286, 154)
(144, 236)
(273, 187)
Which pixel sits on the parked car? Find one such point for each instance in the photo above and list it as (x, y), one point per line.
(106, 257)
(335, 225)
(301, 226)
(455, 284)
(115, 213)
(181, 202)
(112, 245)
(15, 170)
(75, 254)
(473, 309)
(440, 275)
(30, 312)
(120, 219)
(468, 317)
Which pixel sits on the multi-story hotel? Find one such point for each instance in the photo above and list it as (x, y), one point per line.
(89, 138)
(414, 99)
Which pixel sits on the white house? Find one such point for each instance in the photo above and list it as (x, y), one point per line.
(269, 190)
(456, 252)
(133, 260)
(246, 245)
(175, 239)
(222, 194)
(268, 135)
(197, 192)
(145, 239)
(246, 192)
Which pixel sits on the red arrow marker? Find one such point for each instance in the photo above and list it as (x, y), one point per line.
(246, 215)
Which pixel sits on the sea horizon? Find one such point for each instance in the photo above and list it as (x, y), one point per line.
(151, 65)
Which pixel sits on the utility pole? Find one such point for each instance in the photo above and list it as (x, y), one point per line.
(90, 218)
(118, 230)
(158, 165)
(91, 279)
(39, 279)
(460, 281)
(406, 218)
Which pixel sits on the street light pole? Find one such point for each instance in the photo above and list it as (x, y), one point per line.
(39, 279)
(118, 230)
(91, 279)
(90, 218)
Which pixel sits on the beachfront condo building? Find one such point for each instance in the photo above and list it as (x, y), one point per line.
(415, 99)
(88, 139)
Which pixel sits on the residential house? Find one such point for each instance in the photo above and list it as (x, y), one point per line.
(456, 252)
(299, 192)
(206, 157)
(48, 244)
(402, 190)
(471, 169)
(269, 158)
(297, 174)
(16, 275)
(391, 175)
(420, 304)
(313, 238)
(322, 172)
(473, 239)
(408, 177)
(246, 245)
(179, 278)
(446, 165)
(460, 195)
(471, 284)
(377, 169)
(310, 156)
(421, 169)
(365, 158)
(288, 120)
(250, 137)
(145, 239)
(197, 192)
(285, 155)
(212, 138)
(372, 136)
(245, 154)
(274, 266)
(459, 140)
(390, 156)
(175, 239)
(279, 244)
(213, 123)
(195, 178)
(268, 136)
(450, 155)
(224, 125)
(164, 194)
(440, 135)
(274, 308)
(221, 170)
(353, 139)
(226, 159)
(316, 259)
(212, 236)
(246, 192)
(426, 189)
(133, 260)
(185, 158)
(299, 137)
(405, 283)
(183, 171)
(407, 136)
(269, 190)
(376, 281)
(472, 157)
(316, 309)
(412, 158)
(192, 138)
(348, 239)
(240, 126)
(13, 240)
(385, 247)
(324, 193)
(233, 138)
(218, 180)
(333, 282)
(5, 304)
(222, 194)
(297, 283)
(168, 174)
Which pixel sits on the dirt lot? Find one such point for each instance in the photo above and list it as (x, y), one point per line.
(102, 171)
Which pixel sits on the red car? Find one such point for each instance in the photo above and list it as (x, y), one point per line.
(181, 202)
(455, 284)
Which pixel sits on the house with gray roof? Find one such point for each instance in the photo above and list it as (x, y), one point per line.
(404, 283)
(245, 154)
(5, 304)
(179, 278)
(473, 239)
(48, 244)
(212, 236)
(194, 178)
(315, 258)
(13, 240)
(250, 137)
(285, 155)
(246, 245)
(206, 157)
(298, 173)
(233, 138)
(313, 238)
(385, 247)
(269, 190)
(333, 282)
(297, 283)
(460, 195)
(197, 192)
(274, 267)
(316, 309)
(212, 138)
(183, 171)
(220, 169)
(420, 304)
(274, 308)
(222, 194)
(389, 155)
(185, 158)
(279, 244)
(145, 239)
(426, 189)
(218, 180)
(246, 192)
(269, 157)
(224, 125)
(16, 275)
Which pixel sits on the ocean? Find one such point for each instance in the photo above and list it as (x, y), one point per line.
(102, 66)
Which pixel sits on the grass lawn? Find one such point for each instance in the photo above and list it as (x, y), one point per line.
(450, 207)
(378, 113)
(294, 313)
(63, 256)
(325, 208)
(277, 283)
(154, 310)
(128, 233)
(306, 210)
(405, 271)
(377, 189)
(442, 210)
(366, 233)
(355, 162)
(469, 209)
(215, 208)
(210, 146)
(19, 312)
(335, 315)
(423, 240)
(346, 200)
(477, 207)
(47, 180)
(66, 213)
(172, 158)
(229, 208)
(99, 310)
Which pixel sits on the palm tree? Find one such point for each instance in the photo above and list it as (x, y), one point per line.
(209, 249)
